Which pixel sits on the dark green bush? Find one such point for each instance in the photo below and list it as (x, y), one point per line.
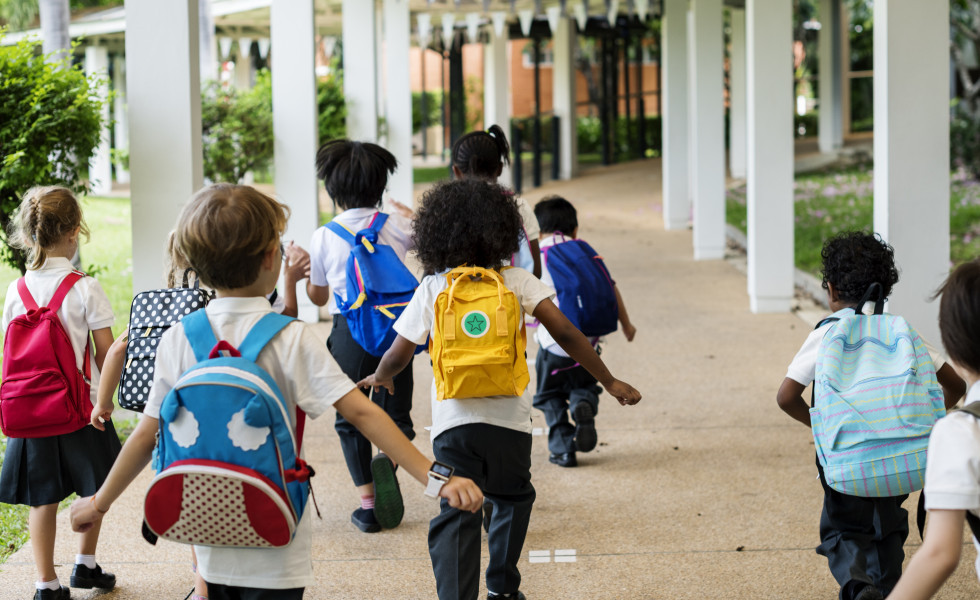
(433, 101)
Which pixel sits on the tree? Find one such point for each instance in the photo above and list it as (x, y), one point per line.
(237, 128)
(964, 129)
(50, 123)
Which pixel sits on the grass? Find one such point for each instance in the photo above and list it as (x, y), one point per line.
(829, 202)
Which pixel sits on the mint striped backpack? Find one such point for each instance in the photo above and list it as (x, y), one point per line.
(875, 399)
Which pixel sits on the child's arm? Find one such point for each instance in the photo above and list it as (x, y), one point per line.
(377, 426)
(953, 386)
(936, 559)
(319, 294)
(790, 399)
(535, 247)
(395, 359)
(297, 268)
(102, 338)
(112, 369)
(578, 347)
(135, 454)
(624, 319)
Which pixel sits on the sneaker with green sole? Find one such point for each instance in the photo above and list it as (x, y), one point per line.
(388, 506)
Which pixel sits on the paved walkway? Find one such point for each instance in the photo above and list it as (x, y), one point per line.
(703, 490)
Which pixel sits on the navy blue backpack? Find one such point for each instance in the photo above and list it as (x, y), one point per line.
(585, 289)
(379, 286)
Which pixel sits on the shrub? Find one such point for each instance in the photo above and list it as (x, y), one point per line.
(331, 106)
(433, 108)
(237, 129)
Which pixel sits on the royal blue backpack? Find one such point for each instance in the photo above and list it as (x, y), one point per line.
(379, 286)
(585, 289)
(227, 460)
(875, 401)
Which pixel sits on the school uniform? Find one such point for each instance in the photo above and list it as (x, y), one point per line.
(308, 378)
(328, 267)
(41, 471)
(953, 464)
(862, 538)
(525, 257)
(562, 382)
(489, 441)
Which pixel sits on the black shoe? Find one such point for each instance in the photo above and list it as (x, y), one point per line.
(563, 460)
(585, 437)
(869, 592)
(86, 578)
(518, 595)
(59, 594)
(365, 521)
(388, 506)
(487, 515)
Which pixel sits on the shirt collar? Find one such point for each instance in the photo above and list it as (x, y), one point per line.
(239, 305)
(358, 213)
(973, 394)
(552, 240)
(56, 263)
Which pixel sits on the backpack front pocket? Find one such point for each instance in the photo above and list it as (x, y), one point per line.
(480, 371)
(38, 401)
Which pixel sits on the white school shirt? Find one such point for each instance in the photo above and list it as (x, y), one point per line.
(307, 376)
(953, 464)
(542, 335)
(415, 324)
(329, 251)
(86, 308)
(524, 257)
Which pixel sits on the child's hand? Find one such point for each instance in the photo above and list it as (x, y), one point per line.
(463, 494)
(400, 209)
(623, 392)
(101, 415)
(297, 263)
(84, 514)
(372, 382)
(629, 330)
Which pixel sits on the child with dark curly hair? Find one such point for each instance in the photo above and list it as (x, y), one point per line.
(862, 537)
(475, 222)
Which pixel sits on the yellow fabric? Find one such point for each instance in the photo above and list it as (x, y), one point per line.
(478, 341)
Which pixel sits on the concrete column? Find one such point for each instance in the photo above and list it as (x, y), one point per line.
(831, 117)
(360, 70)
(565, 44)
(243, 64)
(496, 90)
(676, 191)
(100, 165)
(208, 42)
(770, 154)
(120, 115)
(294, 123)
(707, 102)
(398, 94)
(911, 151)
(737, 100)
(164, 93)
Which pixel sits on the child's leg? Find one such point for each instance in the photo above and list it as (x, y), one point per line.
(200, 586)
(847, 531)
(891, 531)
(41, 523)
(512, 495)
(228, 592)
(552, 399)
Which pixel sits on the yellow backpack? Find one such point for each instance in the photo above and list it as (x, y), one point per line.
(478, 340)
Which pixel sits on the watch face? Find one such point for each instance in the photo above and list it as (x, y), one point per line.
(441, 469)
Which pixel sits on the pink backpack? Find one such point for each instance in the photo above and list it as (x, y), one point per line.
(43, 393)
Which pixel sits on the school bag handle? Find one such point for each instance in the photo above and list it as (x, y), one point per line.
(449, 316)
(874, 294)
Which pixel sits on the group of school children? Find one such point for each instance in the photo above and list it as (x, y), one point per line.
(469, 231)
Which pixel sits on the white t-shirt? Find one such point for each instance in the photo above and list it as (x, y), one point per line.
(953, 463)
(525, 257)
(542, 335)
(86, 308)
(329, 251)
(415, 324)
(307, 376)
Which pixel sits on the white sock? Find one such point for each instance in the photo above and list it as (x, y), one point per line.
(85, 559)
(54, 584)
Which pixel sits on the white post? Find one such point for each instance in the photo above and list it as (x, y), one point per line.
(360, 70)
(398, 31)
(676, 191)
(770, 155)
(120, 115)
(164, 93)
(209, 43)
(563, 91)
(100, 165)
(496, 90)
(737, 108)
(707, 102)
(243, 64)
(830, 118)
(911, 151)
(294, 123)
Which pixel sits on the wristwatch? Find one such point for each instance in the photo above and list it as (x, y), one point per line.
(439, 474)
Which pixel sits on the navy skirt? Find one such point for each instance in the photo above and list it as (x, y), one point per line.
(42, 471)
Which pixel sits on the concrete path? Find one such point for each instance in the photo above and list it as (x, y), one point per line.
(703, 490)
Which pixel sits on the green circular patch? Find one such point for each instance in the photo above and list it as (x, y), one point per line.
(476, 323)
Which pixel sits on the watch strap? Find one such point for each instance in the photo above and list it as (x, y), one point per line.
(434, 486)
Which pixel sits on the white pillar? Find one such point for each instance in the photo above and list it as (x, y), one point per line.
(360, 70)
(676, 191)
(294, 123)
(737, 100)
(100, 165)
(243, 64)
(770, 155)
(398, 95)
(911, 151)
(496, 90)
(120, 115)
(830, 118)
(707, 102)
(164, 93)
(565, 45)
(208, 42)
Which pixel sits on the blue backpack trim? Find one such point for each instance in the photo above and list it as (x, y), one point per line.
(584, 287)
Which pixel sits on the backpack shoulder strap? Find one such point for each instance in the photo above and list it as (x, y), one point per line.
(342, 230)
(25, 295)
(199, 334)
(972, 520)
(62, 291)
(378, 221)
(262, 333)
(826, 321)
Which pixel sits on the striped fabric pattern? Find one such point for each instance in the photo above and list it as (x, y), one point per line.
(876, 399)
